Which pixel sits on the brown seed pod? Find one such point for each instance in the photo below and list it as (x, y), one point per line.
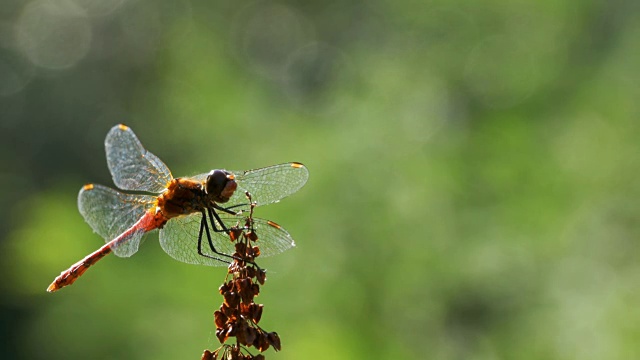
(274, 340)
(261, 276)
(220, 319)
(207, 355)
(252, 236)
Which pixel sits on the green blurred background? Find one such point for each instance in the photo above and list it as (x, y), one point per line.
(473, 190)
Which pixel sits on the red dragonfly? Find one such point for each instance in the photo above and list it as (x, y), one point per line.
(182, 208)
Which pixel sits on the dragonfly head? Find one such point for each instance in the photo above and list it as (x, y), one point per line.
(221, 185)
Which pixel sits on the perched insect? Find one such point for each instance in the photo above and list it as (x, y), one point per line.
(183, 208)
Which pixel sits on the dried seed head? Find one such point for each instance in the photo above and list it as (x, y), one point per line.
(232, 329)
(229, 312)
(261, 343)
(245, 310)
(220, 319)
(255, 289)
(231, 299)
(241, 249)
(221, 334)
(253, 252)
(224, 287)
(274, 340)
(239, 315)
(255, 312)
(261, 276)
(251, 235)
(235, 265)
(242, 336)
(250, 335)
(234, 234)
(234, 353)
(207, 355)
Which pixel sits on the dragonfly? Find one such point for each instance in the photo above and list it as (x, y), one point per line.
(182, 209)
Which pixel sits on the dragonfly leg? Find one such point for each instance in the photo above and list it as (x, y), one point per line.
(203, 225)
(228, 210)
(213, 214)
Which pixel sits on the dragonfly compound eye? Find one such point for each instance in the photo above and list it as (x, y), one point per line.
(221, 185)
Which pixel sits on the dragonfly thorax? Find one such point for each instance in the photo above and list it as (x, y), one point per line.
(220, 185)
(183, 196)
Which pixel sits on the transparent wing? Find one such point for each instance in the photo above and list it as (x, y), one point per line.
(272, 238)
(179, 239)
(131, 165)
(110, 213)
(266, 185)
(270, 184)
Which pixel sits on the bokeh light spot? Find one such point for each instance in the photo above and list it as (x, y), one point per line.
(311, 72)
(267, 33)
(53, 34)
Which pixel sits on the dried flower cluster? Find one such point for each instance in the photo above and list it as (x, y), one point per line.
(239, 315)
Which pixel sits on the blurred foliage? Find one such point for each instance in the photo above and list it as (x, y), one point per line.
(473, 190)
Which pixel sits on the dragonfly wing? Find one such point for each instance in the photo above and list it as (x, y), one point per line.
(179, 239)
(272, 238)
(131, 165)
(270, 184)
(110, 213)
